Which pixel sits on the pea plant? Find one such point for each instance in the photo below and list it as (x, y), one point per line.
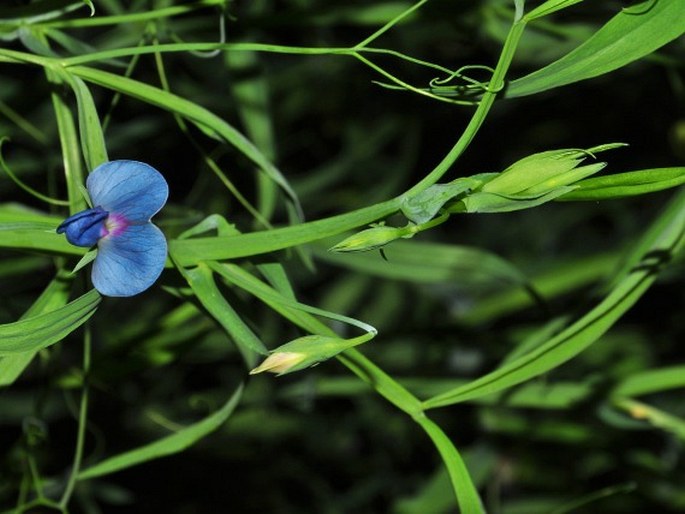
(302, 256)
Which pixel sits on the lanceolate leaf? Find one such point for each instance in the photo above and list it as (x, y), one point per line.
(633, 33)
(54, 297)
(36, 332)
(620, 185)
(205, 120)
(201, 281)
(652, 381)
(35, 236)
(168, 445)
(590, 327)
(90, 129)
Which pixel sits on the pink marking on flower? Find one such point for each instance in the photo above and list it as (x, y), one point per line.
(114, 225)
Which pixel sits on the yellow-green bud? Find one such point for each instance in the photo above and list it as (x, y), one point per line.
(280, 362)
(303, 352)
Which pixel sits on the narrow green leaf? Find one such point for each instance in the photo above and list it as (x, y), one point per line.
(231, 271)
(628, 36)
(664, 244)
(10, 212)
(36, 236)
(204, 119)
(283, 303)
(278, 278)
(353, 359)
(651, 381)
(168, 445)
(549, 7)
(90, 129)
(85, 260)
(213, 222)
(189, 252)
(631, 183)
(201, 280)
(53, 297)
(68, 137)
(383, 383)
(42, 330)
(462, 483)
(430, 263)
(35, 41)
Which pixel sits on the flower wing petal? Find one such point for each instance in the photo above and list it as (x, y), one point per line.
(132, 189)
(131, 262)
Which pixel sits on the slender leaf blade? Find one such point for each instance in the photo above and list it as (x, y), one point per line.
(621, 185)
(165, 446)
(201, 281)
(36, 332)
(90, 129)
(462, 483)
(53, 297)
(631, 34)
(663, 245)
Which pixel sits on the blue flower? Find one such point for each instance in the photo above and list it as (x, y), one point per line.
(131, 250)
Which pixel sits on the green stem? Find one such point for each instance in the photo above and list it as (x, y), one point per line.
(35, 476)
(390, 24)
(496, 84)
(82, 422)
(189, 253)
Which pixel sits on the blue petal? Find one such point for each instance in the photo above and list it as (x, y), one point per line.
(84, 228)
(132, 189)
(131, 262)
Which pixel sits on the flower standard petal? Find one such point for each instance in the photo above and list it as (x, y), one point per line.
(130, 261)
(133, 190)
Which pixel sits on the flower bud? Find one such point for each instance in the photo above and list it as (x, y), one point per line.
(280, 362)
(304, 352)
(373, 238)
(570, 177)
(545, 171)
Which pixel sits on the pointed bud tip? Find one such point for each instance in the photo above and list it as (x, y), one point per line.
(279, 362)
(369, 239)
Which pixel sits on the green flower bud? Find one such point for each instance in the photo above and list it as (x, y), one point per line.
(280, 362)
(373, 238)
(570, 177)
(304, 352)
(543, 172)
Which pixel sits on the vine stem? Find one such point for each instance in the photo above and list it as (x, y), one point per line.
(82, 422)
(496, 84)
